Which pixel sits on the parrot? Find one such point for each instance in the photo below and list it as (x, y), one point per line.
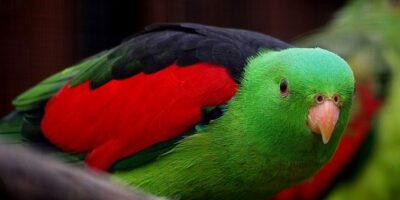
(191, 111)
(365, 34)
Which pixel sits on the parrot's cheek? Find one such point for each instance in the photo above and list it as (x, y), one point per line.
(322, 119)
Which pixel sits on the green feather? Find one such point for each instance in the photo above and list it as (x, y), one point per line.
(10, 129)
(95, 68)
(32, 98)
(153, 152)
(149, 154)
(10, 134)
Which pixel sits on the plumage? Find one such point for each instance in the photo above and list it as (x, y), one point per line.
(197, 112)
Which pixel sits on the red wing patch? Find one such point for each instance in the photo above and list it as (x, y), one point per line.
(125, 116)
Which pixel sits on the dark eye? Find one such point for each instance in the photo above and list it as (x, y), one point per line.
(283, 87)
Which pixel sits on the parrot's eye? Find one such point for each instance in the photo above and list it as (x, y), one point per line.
(283, 87)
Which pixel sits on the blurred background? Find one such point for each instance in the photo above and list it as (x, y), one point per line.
(39, 38)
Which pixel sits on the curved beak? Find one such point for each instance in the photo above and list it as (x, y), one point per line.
(322, 119)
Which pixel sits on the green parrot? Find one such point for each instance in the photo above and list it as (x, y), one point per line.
(191, 111)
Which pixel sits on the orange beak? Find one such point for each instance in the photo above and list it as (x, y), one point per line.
(322, 119)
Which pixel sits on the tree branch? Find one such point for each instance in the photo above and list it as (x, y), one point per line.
(28, 175)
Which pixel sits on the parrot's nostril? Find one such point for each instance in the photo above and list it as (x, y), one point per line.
(336, 99)
(319, 99)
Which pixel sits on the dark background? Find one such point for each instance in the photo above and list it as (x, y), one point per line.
(41, 37)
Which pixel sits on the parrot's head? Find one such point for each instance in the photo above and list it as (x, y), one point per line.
(299, 98)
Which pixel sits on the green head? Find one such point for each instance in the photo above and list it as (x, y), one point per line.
(296, 101)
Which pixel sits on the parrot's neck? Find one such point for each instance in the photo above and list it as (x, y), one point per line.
(225, 161)
(248, 147)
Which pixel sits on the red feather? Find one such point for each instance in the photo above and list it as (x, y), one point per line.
(125, 116)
